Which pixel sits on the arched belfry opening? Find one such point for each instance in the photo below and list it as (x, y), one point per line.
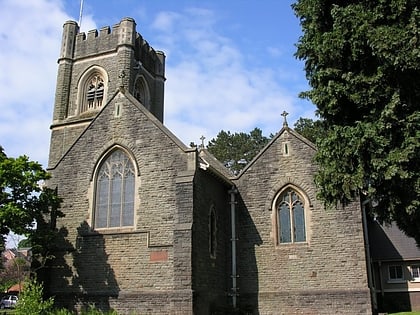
(92, 89)
(141, 91)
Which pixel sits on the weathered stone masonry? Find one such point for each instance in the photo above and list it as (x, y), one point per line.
(176, 258)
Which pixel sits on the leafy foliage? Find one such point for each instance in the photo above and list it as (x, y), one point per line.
(235, 150)
(309, 128)
(31, 300)
(362, 60)
(93, 311)
(14, 271)
(19, 186)
(25, 243)
(27, 208)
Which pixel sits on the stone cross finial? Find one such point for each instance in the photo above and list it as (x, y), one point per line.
(121, 76)
(284, 114)
(202, 138)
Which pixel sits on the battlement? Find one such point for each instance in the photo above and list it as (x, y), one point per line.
(77, 45)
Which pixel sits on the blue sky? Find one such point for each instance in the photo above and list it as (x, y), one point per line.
(229, 64)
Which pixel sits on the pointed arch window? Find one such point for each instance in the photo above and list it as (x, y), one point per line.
(212, 232)
(92, 90)
(141, 92)
(115, 182)
(290, 217)
(95, 92)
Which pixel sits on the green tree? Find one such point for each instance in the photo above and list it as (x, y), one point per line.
(26, 207)
(309, 128)
(362, 60)
(14, 271)
(25, 243)
(235, 150)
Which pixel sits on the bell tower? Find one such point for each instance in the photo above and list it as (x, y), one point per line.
(92, 67)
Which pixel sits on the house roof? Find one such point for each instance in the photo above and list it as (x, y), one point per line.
(388, 243)
(210, 163)
(15, 288)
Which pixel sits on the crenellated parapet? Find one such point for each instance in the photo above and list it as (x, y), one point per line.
(152, 60)
(106, 39)
(92, 66)
(78, 45)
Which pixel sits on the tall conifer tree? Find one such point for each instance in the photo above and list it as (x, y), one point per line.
(362, 60)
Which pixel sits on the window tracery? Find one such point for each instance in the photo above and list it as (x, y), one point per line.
(95, 92)
(92, 90)
(115, 190)
(290, 217)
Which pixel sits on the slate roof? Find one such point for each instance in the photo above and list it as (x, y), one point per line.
(389, 243)
(209, 162)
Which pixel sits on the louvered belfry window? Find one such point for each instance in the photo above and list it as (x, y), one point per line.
(95, 92)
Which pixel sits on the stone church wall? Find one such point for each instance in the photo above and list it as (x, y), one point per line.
(164, 264)
(324, 275)
(122, 55)
(211, 281)
(131, 264)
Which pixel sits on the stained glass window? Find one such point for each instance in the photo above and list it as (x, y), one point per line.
(115, 192)
(291, 217)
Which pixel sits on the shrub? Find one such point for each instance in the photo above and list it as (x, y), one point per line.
(31, 300)
(93, 311)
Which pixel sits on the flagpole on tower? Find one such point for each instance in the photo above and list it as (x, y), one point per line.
(80, 14)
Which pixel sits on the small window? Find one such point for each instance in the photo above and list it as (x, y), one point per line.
(95, 92)
(117, 112)
(395, 273)
(212, 232)
(290, 217)
(141, 92)
(286, 148)
(415, 272)
(92, 90)
(115, 181)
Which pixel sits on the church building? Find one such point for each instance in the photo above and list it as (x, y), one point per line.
(153, 226)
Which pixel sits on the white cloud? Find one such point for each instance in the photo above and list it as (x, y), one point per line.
(274, 51)
(166, 21)
(213, 87)
(211, 83)
(31, 33)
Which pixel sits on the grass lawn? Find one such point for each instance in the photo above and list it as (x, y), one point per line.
(406, 313)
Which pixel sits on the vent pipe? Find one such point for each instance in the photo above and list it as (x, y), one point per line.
(234, 290)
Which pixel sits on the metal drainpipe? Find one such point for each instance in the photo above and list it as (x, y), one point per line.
(368, 258)
(233, 239)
